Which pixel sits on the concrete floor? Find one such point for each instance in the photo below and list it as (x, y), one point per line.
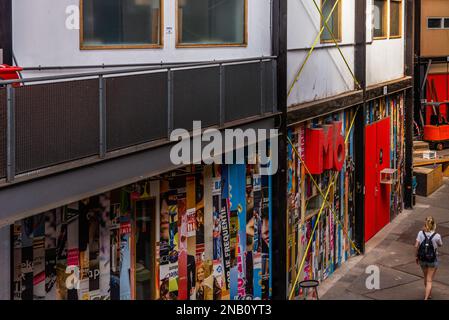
(392, 250)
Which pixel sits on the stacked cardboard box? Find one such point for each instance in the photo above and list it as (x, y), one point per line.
(429, 179)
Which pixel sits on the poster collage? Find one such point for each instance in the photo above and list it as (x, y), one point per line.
(330, 246)
(200, 233)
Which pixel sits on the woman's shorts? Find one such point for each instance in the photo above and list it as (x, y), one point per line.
(424, 264)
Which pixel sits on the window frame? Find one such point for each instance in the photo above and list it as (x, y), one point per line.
(179, 44)
(159, 45)
(401, 8)
(442, 20)
(339, 10)
(385, 21)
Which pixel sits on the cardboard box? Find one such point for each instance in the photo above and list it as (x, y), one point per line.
(427, 154)
(420, 145)
(429, 179)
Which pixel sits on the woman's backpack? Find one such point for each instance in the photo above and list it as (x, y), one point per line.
(426, 250)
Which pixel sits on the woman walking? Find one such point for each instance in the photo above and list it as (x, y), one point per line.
(427, 242)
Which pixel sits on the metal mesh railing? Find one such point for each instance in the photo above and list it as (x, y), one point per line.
(55, 123)
(199, 90)
(71, 117)
(243, 91)
(136, 109)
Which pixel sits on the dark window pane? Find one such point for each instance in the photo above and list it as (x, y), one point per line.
(434, 23)
(333, 22)
(121, 22)
(446, 23)
(211, 21)
(395, 18)
(379, 18)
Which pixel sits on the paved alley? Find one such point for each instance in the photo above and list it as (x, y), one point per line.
(393, 252)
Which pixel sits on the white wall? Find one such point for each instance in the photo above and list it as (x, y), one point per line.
(41, 38)
(384, 61)
(325, 74)
(5, 273)
(385, 58)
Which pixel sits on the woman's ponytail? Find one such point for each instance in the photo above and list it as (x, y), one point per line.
(430, 224)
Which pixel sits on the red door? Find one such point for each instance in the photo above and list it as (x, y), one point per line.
(370, 181)
(377, 195)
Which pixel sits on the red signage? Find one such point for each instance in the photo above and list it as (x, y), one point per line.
(325, 148)
(125, 228)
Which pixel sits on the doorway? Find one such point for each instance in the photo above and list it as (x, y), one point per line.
(377, 195)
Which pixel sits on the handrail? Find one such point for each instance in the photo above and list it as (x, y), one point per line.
(106, 66)
(134, 70)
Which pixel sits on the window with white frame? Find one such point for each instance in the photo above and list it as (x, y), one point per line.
(438, 23)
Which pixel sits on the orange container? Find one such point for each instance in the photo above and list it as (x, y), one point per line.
(432, 133)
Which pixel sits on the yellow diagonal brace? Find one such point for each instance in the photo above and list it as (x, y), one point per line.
(311, 50)
(337, 46)
(331, 183)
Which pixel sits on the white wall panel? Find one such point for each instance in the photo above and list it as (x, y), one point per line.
(41, 38)
(325, 74)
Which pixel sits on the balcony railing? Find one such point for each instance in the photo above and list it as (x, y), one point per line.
(50, 121)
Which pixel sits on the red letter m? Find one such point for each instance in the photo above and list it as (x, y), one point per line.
(325, 148)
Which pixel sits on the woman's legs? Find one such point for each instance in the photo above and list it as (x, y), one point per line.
(424, 271)
(430, 275)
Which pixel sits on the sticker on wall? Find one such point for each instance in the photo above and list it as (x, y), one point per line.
(115, 251)
(39, 257)
(61, 254)
(50, 254)
(17, 273)
(125, 258)
(105, 247)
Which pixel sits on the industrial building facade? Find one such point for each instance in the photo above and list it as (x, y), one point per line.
(109, 216)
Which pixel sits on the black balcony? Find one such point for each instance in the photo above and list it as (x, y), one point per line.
(52, 121)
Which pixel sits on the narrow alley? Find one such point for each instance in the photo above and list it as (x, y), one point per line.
(393, 252)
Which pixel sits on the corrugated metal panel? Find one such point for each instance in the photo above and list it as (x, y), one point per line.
(243, 96)
(56, 123)
(2, 132)
(136, 108)
(196, 95)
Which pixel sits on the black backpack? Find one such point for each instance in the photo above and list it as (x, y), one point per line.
(426, 251)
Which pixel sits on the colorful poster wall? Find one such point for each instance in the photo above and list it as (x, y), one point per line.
(331, 244)
(200, 233)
